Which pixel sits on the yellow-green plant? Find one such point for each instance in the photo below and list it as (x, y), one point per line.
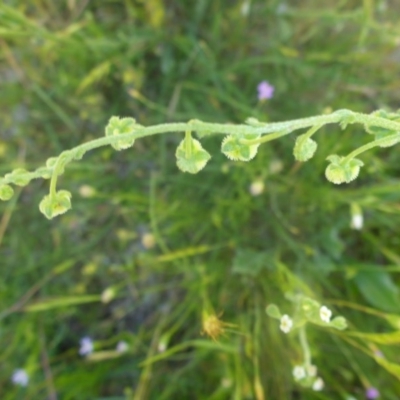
(241, 143)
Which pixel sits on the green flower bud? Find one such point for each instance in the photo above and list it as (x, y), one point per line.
(51, 162)
(304, 148)
(310, 308)
(190, 155)
(381, 133)
(119, 126)
(60, 204)
(79, 153)
(6, 192)
(338, 323)
(17, 177)
(340, 171)
(254, 122)
(44, 172)
(235, 150)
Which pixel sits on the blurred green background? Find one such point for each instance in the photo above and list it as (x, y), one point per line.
(148, 251)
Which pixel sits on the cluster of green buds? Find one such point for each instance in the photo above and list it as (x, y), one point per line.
(307, 311)
(241, 143)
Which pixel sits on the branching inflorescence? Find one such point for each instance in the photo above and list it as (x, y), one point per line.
(241, 143)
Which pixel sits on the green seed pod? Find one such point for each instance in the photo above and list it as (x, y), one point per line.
(59, 205)
(304, 148)
(339, 171)
(190, 156)
(17, 177)
(335, 174)
(120, 126)
(6, 192)
(234, 148)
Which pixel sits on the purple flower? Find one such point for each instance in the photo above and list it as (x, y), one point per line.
(20, 377)
(86, 346)
(372, 393)
(265, 90)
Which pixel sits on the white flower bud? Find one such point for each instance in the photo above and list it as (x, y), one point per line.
(318, 385)
(256, 188)
(299, 372)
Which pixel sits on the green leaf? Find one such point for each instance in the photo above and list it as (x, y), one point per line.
(273, 311)
(381, 338)
(251, 262)
(379, 289)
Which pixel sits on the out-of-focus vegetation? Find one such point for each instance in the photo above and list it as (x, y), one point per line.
(147, 253)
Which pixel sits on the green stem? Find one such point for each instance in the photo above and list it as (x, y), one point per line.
(369, 146)
(311, 132)
(62, 160)
(305, 346)
(188, 143)
(271, 130)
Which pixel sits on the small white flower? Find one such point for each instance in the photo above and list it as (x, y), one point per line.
(312, 370)
(86, 346)
(122, 346)
(87, 191)
(325, 313)
(275, 166)
(162, 346)
(299, 372)
(318, 385)
(20, 377)
(357, 221)
(245, 9)
(286, 323)
(256, 188)
(107, 295)
(148, 241)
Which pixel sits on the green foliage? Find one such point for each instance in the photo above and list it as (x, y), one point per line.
(169, 245)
